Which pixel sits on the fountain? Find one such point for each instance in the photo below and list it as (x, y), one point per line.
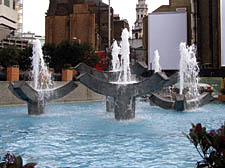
(189, 70)
(125, 74)
(111, 76)
(188, 96)
(41, 89)
(156, 64)
(115, 59)
(125, 90)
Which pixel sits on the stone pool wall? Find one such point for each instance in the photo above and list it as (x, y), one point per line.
(81, 93)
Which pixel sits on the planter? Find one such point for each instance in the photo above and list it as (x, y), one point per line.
(12, 73)
(67, 75)
(221, 98)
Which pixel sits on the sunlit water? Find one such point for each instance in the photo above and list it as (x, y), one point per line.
(85, 135)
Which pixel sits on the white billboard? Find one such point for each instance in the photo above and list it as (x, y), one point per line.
(222, 5)
(165, 33)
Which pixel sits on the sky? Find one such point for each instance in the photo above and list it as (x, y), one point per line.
(34, 12)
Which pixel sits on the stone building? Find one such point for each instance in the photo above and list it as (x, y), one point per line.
(65, 21)
(101, 11)
(119, 25)
(203, 28)
(11, 24)
(19, 43)
(81, 20)
(141, 12)
(8, 17)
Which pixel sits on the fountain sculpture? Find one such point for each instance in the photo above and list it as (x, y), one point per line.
(125, 89)
(41, 89)
(188, 96)
(111, 76)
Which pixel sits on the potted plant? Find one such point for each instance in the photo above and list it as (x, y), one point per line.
(67, 73)
(9, 57)
(222, 95)
(12, 73)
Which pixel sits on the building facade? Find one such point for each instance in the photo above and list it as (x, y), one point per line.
(62, 24)
(119, 25)
(81, 20)
(19, 43)
(8, 17)
(203, 29)
(141, 12)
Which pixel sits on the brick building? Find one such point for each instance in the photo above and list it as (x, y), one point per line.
(65, 23)
(81, 20)
(203, 29)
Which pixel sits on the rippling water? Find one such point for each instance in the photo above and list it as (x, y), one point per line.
(84, 135)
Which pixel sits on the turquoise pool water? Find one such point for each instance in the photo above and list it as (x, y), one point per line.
(84, 135)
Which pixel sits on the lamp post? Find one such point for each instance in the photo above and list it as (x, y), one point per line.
(76, 39)
(109, 26)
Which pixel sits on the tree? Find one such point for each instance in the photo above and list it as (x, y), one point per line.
(9, 56)
(68, 52)
(25, 59)
(48, 52)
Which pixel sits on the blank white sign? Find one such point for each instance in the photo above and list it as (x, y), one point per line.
(165, 33)
(222, 32)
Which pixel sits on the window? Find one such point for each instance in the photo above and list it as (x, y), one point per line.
(6, 3)
(136, 35)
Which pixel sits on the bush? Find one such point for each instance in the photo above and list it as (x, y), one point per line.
(11, 161)
(68, 52)
(9, 56)
(202, 90)
(222, 91)
(210, 145)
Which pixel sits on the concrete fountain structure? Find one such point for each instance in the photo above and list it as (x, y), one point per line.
(125, 89)
(113, 75)
(41, 89)
(188, 96)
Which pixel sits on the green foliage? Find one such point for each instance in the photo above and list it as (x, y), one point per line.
(210, 145)
(9, 56)
(55, 56)
(11, 161)
(25, 59)
(67, 66)
(68, 52)
(222, 91)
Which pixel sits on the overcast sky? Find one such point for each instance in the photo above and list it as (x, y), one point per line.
(34, 12)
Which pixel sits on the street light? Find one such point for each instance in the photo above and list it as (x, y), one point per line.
(76, 39)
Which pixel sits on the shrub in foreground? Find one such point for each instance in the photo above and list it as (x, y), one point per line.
(209, 144)
(11, 161)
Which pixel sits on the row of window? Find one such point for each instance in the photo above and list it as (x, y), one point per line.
(7, 3)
